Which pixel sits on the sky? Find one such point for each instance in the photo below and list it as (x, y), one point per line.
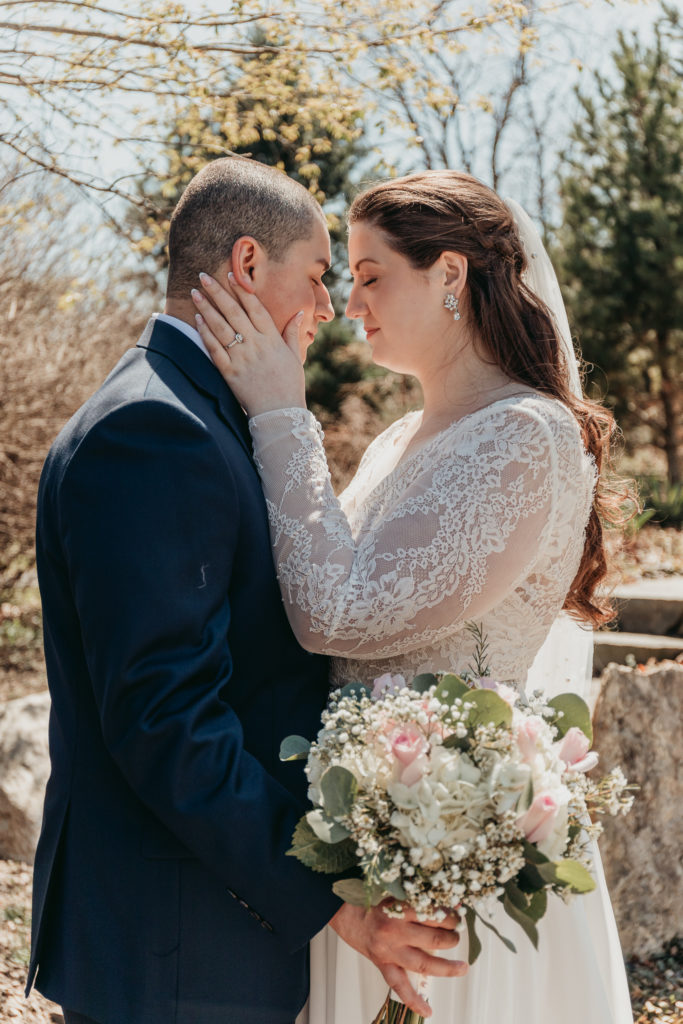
(587, 33)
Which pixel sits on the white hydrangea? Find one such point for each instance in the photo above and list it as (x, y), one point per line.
(444, 810)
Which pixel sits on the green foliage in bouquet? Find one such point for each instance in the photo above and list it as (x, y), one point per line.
(471, 718)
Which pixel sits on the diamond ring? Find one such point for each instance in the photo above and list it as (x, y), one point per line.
(237, 340)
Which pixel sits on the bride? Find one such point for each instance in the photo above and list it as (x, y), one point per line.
(485, 506)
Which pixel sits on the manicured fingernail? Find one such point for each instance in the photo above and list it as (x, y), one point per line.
(197, 295)
(299, 317)
(199, 318)
(231, 277)
(206, 280)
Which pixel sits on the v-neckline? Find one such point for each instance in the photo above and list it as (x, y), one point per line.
(406, 458)
(407, 455)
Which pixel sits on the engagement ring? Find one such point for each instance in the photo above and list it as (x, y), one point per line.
(237, 340)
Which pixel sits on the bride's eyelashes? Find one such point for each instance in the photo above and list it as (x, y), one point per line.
(371, 280)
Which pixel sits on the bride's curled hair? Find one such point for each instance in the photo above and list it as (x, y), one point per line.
(421, 216)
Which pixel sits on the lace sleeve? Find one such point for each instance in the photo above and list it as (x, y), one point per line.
(467, 524)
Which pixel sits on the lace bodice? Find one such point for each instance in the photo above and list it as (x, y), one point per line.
(485, 522)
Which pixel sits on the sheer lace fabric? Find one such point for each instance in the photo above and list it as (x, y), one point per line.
(485, 522)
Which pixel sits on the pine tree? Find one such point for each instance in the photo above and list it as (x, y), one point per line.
(622, 236)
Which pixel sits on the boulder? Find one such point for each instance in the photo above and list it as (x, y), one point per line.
(637, 725)
(24, 769)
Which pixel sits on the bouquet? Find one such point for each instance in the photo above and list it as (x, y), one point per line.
(449, 793)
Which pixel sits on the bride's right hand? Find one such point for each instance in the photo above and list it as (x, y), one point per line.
(397, 945)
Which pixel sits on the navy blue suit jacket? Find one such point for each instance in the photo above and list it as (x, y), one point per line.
(162, 892)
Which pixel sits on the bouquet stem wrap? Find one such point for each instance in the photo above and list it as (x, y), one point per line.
(395, 1011)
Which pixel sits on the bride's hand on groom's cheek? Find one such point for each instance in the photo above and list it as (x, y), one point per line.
(396, 945)
(262, 367)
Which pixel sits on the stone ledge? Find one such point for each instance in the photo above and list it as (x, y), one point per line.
(651, 606)
(609, 646)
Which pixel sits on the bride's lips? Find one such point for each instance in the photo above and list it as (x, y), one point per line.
(369, 331)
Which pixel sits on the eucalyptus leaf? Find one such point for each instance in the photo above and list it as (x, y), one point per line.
(326, 858)
(575, 712)
(423, 682)
(473, 938)
(533, 854)
(454, 742)
(515, 895)
(568, 872)
(374, 894)
(357, 690)
(294, 748)
(359, 892)
(379, 866)
(338, 787)
(529, 880)
(396, 890)
(351, 890)
(489, 709)
(325, 828)
(573, 831)
(538, 904)
(521, 917)
(533, 905)
(506, 942)
(450, 688)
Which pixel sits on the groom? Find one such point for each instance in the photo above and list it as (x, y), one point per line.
(162, 889)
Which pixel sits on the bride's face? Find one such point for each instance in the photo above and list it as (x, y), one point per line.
(402, 308)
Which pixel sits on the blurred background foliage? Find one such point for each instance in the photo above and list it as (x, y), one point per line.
(334, 98)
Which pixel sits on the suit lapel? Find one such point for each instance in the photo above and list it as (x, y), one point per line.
(167, 341)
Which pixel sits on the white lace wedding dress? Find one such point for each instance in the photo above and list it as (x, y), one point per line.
(484, 522)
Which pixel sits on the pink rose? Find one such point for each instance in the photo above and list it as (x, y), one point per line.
(574, 750)
(527, 737)
(386, 684)
(537, 823)
(409, 748)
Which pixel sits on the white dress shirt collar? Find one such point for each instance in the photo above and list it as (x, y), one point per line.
(187, 329)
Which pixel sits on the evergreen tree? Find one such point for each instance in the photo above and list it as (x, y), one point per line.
(622, 236)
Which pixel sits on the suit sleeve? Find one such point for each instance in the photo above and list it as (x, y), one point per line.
(149, 515)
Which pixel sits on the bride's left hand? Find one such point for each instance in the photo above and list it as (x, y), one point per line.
(263, 369)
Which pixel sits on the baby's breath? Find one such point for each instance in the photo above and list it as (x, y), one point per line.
(445, 823)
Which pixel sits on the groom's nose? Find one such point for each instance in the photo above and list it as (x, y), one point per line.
(324, 309)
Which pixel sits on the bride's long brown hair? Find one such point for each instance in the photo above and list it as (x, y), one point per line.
(425, 214)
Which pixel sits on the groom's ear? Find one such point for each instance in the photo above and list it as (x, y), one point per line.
(246, 258)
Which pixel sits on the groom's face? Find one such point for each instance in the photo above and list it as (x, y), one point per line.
(295, 282)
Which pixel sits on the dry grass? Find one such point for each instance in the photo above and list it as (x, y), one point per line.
(52, 358)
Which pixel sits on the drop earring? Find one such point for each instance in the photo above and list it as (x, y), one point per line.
(451, 302)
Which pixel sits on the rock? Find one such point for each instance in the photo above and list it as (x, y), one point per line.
(24, 769)
(637, 725)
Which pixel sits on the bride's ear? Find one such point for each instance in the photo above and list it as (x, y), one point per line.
(246, 257)
(454, 270)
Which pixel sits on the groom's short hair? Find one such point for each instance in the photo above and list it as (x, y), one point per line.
(229, 198)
